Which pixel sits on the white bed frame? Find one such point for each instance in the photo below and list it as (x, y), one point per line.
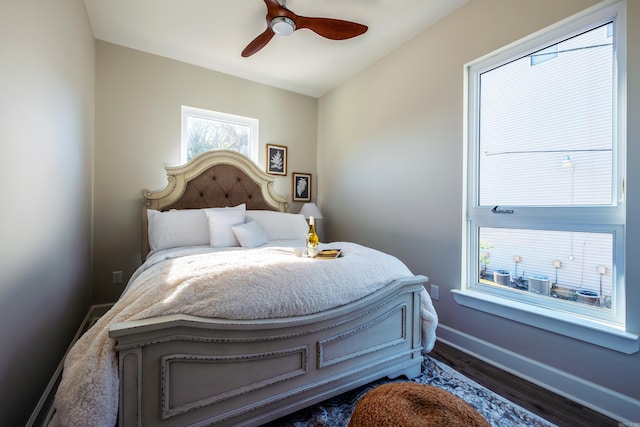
(187, 371)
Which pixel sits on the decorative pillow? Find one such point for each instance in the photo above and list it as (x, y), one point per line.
(220, 222)
(280, 225)
(250, 235)
(174, 228)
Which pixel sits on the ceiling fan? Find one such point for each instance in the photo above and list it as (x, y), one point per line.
(282, 21)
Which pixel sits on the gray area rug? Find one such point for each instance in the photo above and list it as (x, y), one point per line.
(500, 412)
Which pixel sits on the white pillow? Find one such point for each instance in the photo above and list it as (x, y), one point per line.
(174, 228)
(220, 222)
(250, 235)
(280, 225)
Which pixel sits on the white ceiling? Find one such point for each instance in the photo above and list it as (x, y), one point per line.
(213, 33)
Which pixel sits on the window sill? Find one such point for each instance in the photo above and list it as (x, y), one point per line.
(561, 323)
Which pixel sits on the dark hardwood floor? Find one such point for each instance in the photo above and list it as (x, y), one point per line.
(552, 407)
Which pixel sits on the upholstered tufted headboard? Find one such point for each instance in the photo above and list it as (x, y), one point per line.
(217, 178)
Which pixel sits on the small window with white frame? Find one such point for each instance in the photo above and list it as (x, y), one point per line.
(544, 196)
(204, 130)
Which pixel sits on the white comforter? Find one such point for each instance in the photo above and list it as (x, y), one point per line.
(256, 283)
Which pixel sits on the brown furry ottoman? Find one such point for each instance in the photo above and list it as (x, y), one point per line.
(410, 404)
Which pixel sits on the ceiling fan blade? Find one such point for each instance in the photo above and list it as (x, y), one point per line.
(258, 43)
(334, 29)
(274, 8)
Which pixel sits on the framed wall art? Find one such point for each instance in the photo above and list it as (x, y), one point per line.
(276, 159)
(301, 187)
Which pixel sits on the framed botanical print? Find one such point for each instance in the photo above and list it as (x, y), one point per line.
(276, 159)
(301, 187)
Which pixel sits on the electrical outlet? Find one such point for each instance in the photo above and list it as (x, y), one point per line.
(116, 277)
(435, 292)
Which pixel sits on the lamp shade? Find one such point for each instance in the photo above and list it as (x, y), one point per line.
(310, 210)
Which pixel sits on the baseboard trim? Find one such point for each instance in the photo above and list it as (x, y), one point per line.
(44, 410)
(615, 405)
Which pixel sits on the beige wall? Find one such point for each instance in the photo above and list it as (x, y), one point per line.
(138, 99)
(390, 159)
(47, 74)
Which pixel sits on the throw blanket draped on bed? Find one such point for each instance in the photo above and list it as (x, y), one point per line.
(257, 283)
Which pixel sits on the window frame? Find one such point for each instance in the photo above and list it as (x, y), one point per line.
(607, 330)
(187, 111)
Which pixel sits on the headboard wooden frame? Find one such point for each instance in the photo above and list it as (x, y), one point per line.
(216, 178)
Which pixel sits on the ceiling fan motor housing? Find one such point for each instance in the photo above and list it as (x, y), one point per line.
(283, 26)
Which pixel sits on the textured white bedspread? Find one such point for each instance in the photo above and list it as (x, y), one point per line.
(256, 283)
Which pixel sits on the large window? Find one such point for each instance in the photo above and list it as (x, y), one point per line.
(544, 206)
(204, 130)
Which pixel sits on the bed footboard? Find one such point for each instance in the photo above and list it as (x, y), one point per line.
(189, 371)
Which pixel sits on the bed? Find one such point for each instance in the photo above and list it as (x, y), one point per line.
(278, 332)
